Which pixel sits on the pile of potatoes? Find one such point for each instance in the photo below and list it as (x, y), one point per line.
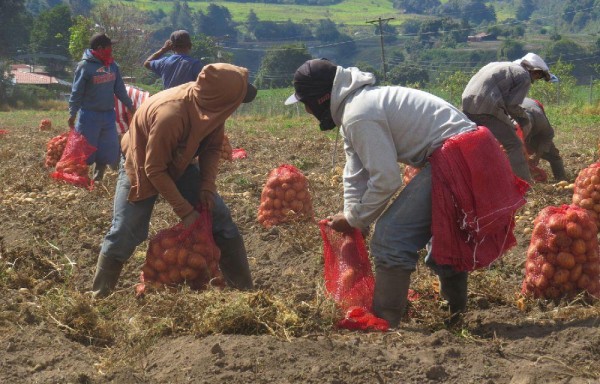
(54, 149)
(586, 192)
(176, 256)
(285, 197)
(562, 258)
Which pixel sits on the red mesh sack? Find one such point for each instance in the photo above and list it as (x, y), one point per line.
(45, 125)
(54, 149)
(72, 166)
(178, 256)
(586, 193)
(349, 278)
(285, 197)
(409, 173)
(562, 258)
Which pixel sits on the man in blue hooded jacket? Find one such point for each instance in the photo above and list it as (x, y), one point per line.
(97, 79)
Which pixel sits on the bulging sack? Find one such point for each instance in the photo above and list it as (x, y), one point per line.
(285, 197)
(72, 166)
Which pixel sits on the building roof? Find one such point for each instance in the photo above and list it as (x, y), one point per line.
(21, 77)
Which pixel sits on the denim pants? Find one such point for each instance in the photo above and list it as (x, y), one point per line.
(100, 130)
(131, 220)
(405, 228)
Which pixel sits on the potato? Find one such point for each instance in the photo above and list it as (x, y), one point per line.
(565, 260)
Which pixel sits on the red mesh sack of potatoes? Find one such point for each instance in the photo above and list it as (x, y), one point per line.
(226, 150)
(54, 149)
(562, 258)
(285, 197)
(72, 166)
(409, 173)
(45, 124)
(178, 256)
(586, 193)
(349, 278)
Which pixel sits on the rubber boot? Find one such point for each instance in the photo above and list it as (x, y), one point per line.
(107, 274)
(454, 290)
(234, 263)
(558, 170)
(99, 171)
(391, 294)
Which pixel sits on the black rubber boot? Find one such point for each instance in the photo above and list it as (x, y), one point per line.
(99, 170)
(107, 274)
(234, 263)
(391, 294)
(454, 290)
(558, 170)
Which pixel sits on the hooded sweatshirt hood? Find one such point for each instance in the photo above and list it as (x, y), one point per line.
(171, 127)
(347, 81)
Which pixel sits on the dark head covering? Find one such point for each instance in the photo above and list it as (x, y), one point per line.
(313, 82)
(100, 40)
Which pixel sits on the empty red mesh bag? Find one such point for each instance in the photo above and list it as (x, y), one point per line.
(349, 278)
(178, 256)
(285, 197)
(72, 166)
(562, 258)
(586, 193)
(473, 186)
(54, 149)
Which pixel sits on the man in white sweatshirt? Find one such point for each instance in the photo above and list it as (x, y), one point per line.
(382, 126)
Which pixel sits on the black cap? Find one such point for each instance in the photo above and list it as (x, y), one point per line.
(313, 79)
(100, 40)
(251, 92)
(181, 38)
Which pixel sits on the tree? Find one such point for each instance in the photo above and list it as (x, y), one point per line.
(279, 64)
(205, 48)
(123, 23)
(14, 26)
(327, 31)
(524, 10)
(511, 50)
(81, 32)
(181, 16)
(216, 22)
(417, 6)
(80, 7)
(6, 84)
(408, 74)
(50, 35)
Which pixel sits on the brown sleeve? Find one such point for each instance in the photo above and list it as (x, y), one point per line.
(209, 155)
(163, 140)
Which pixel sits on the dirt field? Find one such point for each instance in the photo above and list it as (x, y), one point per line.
(51, 331)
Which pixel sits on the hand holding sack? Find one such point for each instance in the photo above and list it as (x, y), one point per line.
(586, 193)
(54, 149)
(285, 197)
(562, 259)
(349, 278)
(409, 173)
(178, 256)
(72, 166)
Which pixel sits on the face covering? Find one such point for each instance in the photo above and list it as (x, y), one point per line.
(104, 55)
(321, 109)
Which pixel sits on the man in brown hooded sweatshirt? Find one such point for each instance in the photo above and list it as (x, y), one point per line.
(169, 131)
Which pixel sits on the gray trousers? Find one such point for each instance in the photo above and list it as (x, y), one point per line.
(507, 136)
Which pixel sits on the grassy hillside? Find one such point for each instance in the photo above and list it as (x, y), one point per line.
(350, 12)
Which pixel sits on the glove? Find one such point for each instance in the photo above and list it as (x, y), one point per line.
(206, 199)
(190, 218)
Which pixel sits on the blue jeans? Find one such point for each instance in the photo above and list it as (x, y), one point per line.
(405, 228)
(131, 220)
(100, 130)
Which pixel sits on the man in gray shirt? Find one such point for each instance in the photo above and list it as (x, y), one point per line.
(493, 97)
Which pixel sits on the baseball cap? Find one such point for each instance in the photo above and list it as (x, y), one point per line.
(312, 79)
(535, 63)
(100, 40)
(250, 93)
(181, 38)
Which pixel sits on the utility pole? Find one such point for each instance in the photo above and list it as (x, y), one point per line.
(381, 21)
